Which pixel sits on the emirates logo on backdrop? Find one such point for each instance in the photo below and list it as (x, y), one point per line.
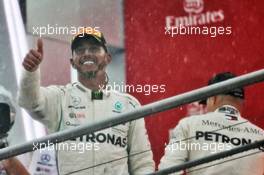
(196, 15)
(193, 6)
(197, 19)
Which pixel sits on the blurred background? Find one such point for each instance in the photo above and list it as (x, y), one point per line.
(142, 53)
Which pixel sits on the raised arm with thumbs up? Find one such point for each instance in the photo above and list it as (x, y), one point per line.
(62, 107)
(34, 57)
(30, 94)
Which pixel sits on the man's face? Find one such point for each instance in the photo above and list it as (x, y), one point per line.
(89, 56)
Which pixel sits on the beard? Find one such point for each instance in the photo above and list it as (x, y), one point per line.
(91, 73)
(99, 76)
(88, 75)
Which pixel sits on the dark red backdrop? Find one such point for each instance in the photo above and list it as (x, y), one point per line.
(187, 62)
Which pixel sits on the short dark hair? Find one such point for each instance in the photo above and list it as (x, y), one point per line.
(238, 92)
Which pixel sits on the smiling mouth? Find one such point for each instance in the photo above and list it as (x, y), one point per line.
(88, 62)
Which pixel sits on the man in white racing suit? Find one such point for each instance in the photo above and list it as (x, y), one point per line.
(119, 150)
(222, 128)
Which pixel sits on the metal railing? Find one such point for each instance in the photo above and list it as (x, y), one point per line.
(207, 159)
(144, 111)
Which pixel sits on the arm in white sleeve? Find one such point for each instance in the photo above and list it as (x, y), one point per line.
(42, 103)
(176, 151)
(140, 154)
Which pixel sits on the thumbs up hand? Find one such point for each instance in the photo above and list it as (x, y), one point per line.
(34, 57)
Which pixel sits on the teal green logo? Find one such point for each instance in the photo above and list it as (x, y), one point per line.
(118, 106)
